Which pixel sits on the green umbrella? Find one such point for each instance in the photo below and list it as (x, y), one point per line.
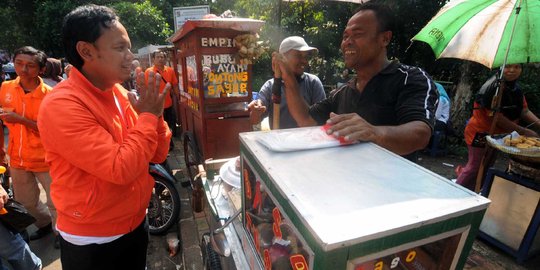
(490, 32)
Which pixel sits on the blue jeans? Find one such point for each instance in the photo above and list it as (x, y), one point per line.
(14, 250)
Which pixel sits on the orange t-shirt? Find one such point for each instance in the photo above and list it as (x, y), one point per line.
(24, 148)
(169, 76)
(480, 122)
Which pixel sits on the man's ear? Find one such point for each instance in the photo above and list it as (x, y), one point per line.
(387, 37)
(85, 50)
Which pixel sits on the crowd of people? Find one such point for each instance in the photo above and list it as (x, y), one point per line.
(99, 159)
(94, 167)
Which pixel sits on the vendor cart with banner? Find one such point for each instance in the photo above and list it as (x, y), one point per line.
(349, 207)
(213, 61)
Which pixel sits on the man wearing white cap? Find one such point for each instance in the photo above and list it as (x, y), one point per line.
(297, 52)
(387, 103)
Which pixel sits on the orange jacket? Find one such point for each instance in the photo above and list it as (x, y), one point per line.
(99, 157)
(170, 76)
(24, 148)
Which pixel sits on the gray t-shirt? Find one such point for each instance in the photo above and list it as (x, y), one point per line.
(311, 89)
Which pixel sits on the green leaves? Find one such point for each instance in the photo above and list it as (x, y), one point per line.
(39, 22)
(144, 22)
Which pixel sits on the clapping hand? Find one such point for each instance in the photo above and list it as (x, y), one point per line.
(280, 66)
(149, 100)
(256, 109)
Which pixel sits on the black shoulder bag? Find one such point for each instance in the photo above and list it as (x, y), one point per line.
(17, 217)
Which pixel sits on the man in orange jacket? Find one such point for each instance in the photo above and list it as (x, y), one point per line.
(99, 140)
(168, 76)
(21, 100)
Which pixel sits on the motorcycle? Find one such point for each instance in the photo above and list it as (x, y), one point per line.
(164, 207)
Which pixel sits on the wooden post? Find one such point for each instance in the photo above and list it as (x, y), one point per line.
(489, 156)
(276, 100)
(276, 97)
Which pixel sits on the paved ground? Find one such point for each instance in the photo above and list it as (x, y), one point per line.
(190, 227)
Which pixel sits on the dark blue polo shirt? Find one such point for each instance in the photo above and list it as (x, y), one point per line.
(397, 95)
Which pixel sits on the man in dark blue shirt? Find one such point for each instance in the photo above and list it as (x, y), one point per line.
(389, 104)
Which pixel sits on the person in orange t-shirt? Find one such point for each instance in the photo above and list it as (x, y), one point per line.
(513, 109)
(21, 100)
(168, 76)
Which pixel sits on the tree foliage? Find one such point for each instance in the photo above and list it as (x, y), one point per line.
(48, 35)
(16, 18)
(39, 22)
(144, 23)
(321, 23)
(11, 34)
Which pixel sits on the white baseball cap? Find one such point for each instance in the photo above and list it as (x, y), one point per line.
(295, 43)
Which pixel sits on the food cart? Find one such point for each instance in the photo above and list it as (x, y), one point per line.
(215, 87)
(350, 207)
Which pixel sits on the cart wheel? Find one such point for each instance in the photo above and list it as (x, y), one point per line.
(192, 155)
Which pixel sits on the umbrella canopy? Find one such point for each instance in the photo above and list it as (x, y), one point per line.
(350, 1)
(481, 31)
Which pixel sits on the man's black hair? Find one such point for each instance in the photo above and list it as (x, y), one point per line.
(156, 52)
(386, 19)
(41, 57)
(85, 23)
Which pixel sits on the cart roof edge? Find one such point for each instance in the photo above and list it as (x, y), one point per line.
(239, 24)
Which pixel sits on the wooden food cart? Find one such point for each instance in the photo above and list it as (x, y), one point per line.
(215, 87)
(351, 207)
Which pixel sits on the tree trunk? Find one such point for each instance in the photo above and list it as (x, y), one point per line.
(461, 103)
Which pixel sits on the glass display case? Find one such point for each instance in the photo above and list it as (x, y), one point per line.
(351, 207)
